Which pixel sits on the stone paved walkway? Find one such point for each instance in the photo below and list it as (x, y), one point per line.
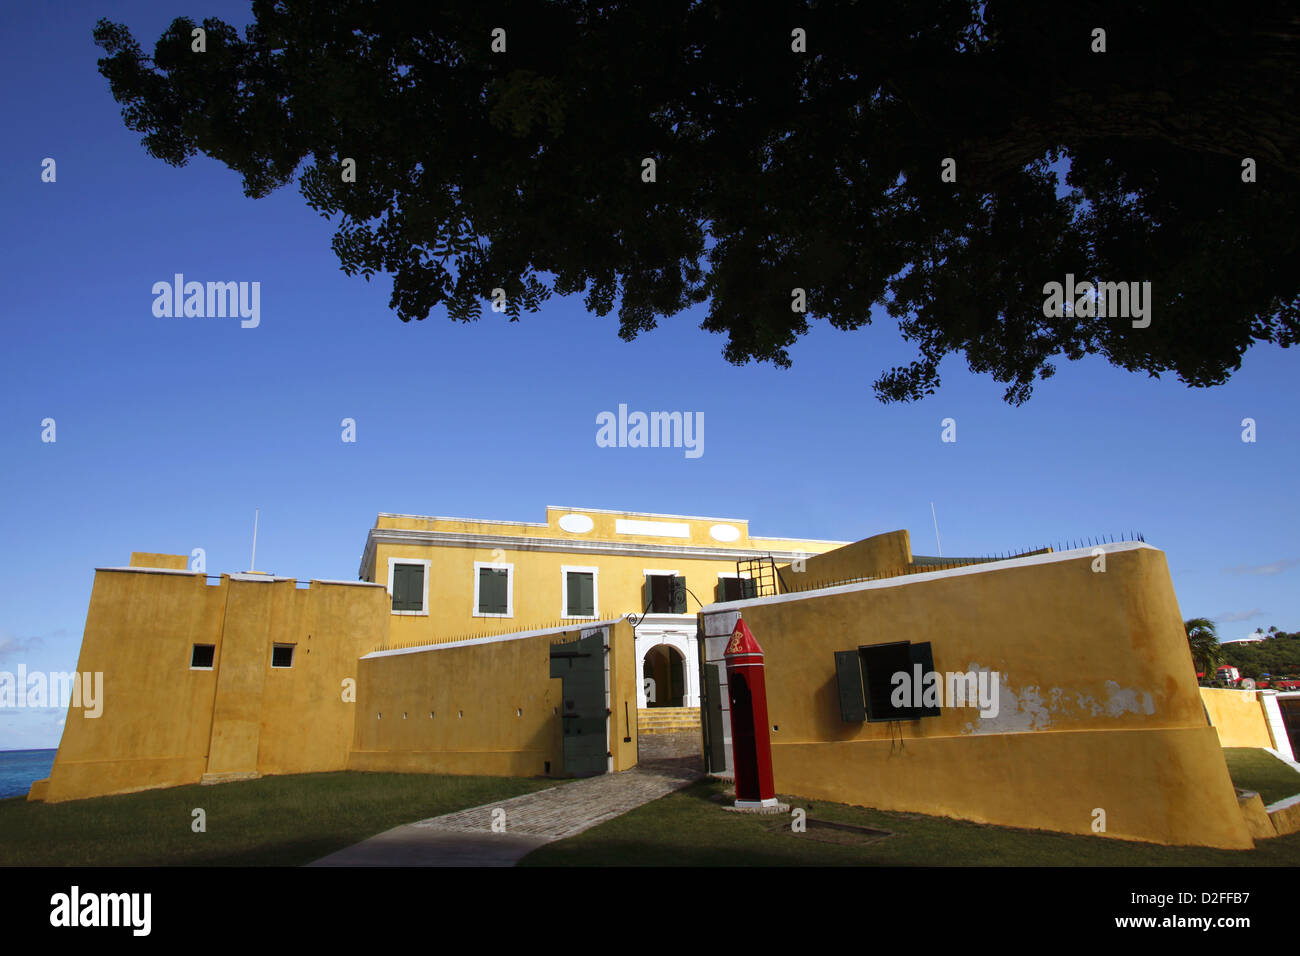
(466, 837)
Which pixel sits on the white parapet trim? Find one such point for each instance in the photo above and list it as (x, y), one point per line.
(140, 570)
(1283, 804)
(920, 577)
(583, 626)
(1277, 728)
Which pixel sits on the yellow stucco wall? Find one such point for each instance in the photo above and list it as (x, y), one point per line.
(1237, 717)
(140, 628)
(1257, 818)
(165, 723)
(624, 679)
(1098, 700)
(495, 708)
(879, 554)
(1286, 819)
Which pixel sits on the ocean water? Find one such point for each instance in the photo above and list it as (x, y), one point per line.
(20, 768)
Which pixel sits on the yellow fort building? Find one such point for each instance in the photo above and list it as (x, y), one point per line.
(453, 577)
(553, 648)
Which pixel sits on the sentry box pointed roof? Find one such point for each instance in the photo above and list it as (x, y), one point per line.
(743, 643)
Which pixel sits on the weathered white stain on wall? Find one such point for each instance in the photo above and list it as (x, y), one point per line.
(1027, 708)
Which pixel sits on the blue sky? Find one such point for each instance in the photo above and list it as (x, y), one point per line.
(170, 431)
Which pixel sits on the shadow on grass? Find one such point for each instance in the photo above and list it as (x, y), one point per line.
(690, 828)
(273, 821)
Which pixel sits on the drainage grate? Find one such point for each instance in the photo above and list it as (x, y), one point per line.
(824, 831)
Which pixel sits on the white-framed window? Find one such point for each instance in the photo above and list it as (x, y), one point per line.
(203, 657)
(282, 655)
(579, 593)
(408, 586)
(494, 589)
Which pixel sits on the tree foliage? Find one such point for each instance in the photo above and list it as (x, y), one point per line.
(777, 169)
(1203, 640)
(1277, 655)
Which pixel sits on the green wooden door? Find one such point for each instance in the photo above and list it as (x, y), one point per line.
(584, 719)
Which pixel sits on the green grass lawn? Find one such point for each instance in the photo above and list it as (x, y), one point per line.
(689, 828)
(1259, 770)
(288, 821)
(274, 821)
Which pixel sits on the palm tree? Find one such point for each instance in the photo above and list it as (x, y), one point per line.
(1203, 641)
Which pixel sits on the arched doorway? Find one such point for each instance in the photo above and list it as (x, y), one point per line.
(663, 675)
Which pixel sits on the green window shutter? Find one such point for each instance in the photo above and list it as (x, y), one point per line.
(648, 604)
(921, 654)
(731, 589)
(848, 674)
(580, 594)
(501, 591)
(720, 590)
(679, 595)
(748, 588)
(415, 587)
(408, 587)
(493, 590)
(399, 587)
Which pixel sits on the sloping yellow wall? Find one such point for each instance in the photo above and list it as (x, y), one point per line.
(1098, 700)
(1237, 717)
(879, 554)
(140, 629)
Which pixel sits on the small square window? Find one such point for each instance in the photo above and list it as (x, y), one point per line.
(282, 655)
(202, 656)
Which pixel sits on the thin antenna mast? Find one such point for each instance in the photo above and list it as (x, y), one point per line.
(252, 564)
(937, 542)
